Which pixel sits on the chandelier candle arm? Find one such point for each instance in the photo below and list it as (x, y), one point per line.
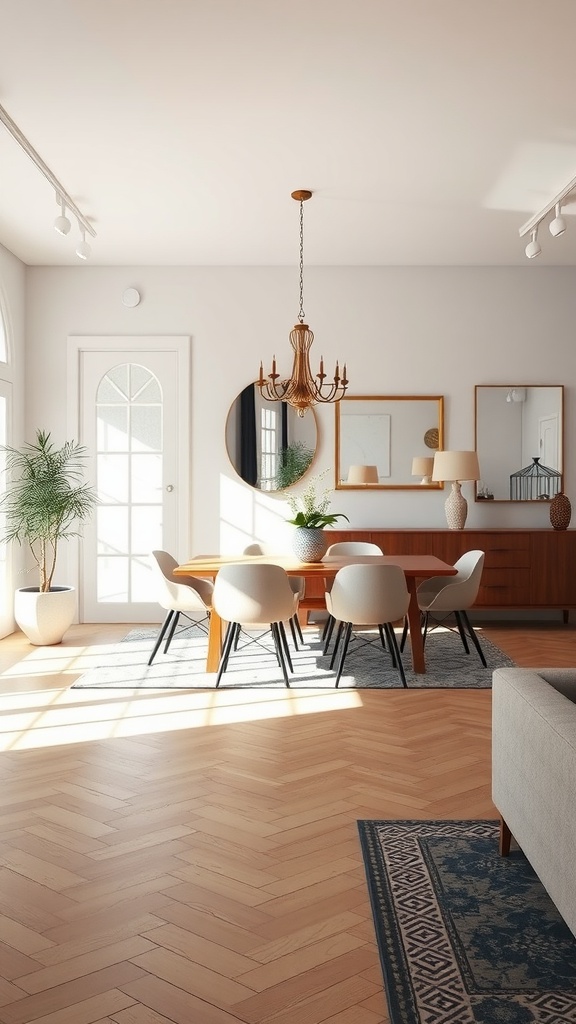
(302, 389)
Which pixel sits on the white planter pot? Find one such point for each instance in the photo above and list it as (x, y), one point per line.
(44, 618)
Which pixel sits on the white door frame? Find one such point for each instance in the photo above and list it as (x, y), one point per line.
(180, 345)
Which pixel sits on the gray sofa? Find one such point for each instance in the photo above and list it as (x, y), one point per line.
(534, 773)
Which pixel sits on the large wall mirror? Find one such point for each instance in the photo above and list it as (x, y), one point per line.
(268, 444)
(380, 437)
(520, 441)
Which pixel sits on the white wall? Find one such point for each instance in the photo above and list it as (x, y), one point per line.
(12, 299)
(401, 331)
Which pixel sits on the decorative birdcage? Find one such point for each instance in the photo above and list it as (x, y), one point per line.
(535, 483)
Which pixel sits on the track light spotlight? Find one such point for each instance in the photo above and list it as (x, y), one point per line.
(558, 225)
(62, 225)
(532, 249)
(83, 250)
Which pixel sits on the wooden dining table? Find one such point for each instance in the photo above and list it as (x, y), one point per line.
(416, 568)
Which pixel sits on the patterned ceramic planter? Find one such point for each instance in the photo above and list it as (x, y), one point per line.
(560, 511)
(310, 545)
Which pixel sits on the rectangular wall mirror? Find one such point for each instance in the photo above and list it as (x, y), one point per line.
(520, 441)
(380, 437)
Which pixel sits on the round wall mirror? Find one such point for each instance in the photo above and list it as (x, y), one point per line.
(268, 444)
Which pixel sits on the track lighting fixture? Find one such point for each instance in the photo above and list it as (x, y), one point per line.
(533, 248)
(557, 225)
(62, 223)
(83, 250)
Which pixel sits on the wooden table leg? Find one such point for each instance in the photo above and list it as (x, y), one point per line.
(214, 642)
(418, 663)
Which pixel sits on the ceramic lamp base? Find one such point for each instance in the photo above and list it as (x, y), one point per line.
(456, 508)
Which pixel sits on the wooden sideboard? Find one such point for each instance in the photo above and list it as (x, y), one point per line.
(523, 568)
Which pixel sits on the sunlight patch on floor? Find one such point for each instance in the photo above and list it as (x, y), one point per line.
(44, 718)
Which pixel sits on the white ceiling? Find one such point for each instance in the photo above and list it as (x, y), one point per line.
(428, 130)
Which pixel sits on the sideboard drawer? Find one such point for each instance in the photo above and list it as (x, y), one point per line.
(504, 586)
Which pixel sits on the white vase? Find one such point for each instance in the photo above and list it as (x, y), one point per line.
(310, 545)
(456, 508)
(44, 618)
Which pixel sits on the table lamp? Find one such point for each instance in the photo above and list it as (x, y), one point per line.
(422, 466)
(361, 475)
(456, 467)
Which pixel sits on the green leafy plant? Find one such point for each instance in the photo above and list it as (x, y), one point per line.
(46, 499)
(310, 510)
(294, 460)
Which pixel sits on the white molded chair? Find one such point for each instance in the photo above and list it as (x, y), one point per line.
(368, 595)
(346, 547)
(182, 595)
(446, 595)
(250, 594)
(297, 583)
(353, 547)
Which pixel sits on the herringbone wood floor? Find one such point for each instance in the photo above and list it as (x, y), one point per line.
(193, 858)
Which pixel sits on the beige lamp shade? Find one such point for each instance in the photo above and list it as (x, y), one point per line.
(362, 475)
(422, 465)
(456, 466)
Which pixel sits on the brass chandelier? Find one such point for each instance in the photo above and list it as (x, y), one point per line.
(301, 390)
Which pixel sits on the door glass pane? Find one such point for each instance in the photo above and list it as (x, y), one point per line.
(129, 468)
(113, 477)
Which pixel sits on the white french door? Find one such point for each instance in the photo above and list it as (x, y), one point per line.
(133, 419)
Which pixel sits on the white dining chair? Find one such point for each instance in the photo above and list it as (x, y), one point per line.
(182, 595)
(248, 595)
(368, 595)
(347, 548)
(297, 583)
(441, 596)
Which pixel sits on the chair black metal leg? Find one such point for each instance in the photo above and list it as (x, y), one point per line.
(327, 627)
(172, 631)
(298, 629)
(347, 634)
(229, 638)
(282, 633)
(424, 626)
(237, 632)
(404, 633)
(395, 651)
(387, 628)
(459, 622)
(327, 634)
(293, 631)
(474, 638)
(161, 633)
(279, 643)
(336, 644)
(382, 636)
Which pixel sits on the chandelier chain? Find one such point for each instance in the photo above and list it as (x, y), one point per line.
(301, 314)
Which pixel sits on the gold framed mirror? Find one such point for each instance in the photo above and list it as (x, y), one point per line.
(269, 446)
(381, 440)
(519, 437)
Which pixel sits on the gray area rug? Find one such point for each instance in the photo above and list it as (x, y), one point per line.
(367, 666)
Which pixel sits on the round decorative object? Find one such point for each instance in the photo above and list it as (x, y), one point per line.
(310, 545)
(432, 437)
(131, 297)
(560, 511)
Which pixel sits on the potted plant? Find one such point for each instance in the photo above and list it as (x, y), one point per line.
(45, 502)
(310, 516)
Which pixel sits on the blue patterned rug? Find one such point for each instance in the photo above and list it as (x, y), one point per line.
(465, 936)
